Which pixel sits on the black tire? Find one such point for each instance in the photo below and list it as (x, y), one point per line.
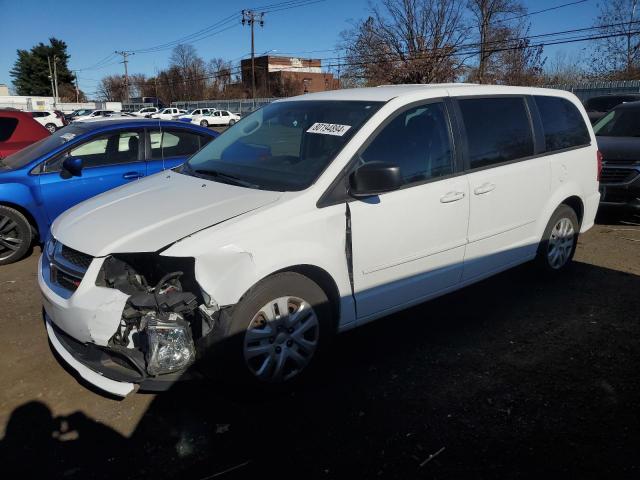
(548, 243)
(15, 235)
(51, 127)
(232, 122)
(230, 353)
(204, 123)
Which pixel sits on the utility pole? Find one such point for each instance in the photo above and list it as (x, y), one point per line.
(55, 80)
(250, 17)
(125, 54)
(53, 90)
(75, 72)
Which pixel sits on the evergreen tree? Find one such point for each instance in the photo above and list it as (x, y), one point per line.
(30, 73)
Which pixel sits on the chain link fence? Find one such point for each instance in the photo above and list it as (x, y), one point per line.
(586, 90)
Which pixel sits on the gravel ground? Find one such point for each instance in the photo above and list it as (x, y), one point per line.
(515, 377)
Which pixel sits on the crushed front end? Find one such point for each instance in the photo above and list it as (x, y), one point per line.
(125, 321)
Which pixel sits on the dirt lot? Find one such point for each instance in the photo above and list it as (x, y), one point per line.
(516, 377)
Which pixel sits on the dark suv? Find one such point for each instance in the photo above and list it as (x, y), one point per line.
(596, 107)
(618, 136)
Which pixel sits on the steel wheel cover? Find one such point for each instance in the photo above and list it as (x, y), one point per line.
(281, 339)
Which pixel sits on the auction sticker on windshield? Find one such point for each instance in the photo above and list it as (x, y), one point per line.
(329, 129)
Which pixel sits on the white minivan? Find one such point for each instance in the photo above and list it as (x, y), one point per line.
(314, 215)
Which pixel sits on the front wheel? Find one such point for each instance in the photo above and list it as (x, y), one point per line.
(15, 235)
(278, 329)
(204, 123)
(559, 240)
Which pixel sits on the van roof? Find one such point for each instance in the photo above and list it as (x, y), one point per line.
(385, 93)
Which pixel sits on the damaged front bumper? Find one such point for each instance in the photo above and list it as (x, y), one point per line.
(83, 322)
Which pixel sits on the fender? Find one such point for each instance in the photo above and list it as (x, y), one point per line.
(21, 197)
(562, 192)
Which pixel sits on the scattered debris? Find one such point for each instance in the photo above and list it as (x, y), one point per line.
(222, 427)
(431, 457)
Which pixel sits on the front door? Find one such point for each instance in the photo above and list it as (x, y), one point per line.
(408, 245)
(109, 160)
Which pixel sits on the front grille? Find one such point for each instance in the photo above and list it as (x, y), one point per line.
(617, 175)
(67, 281)
(78, 259)
(621, 161)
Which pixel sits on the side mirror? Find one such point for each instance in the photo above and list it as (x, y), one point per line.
(374, 178)
(73, 165)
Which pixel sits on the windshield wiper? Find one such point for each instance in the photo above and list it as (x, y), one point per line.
(225, 177)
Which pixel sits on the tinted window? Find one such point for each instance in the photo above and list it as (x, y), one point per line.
(562, 123)
(417, 140)
(7, 127)
(498, 130)
(622, 122)
(173, 143)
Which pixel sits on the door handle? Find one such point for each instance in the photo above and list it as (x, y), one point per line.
(452, 197)
(484, 188)
(132, 175)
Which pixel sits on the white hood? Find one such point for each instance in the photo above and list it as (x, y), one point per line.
(152, 213)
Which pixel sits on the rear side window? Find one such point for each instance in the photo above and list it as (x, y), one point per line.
(562, 123)
(173, 143)
(7, 127)
(498, 130)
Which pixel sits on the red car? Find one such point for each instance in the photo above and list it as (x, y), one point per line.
(17, 130)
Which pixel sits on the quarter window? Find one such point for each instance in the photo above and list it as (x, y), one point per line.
(417, 140)
(498, 130)
(562, 123)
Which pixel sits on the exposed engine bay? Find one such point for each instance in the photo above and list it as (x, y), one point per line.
(166, 312)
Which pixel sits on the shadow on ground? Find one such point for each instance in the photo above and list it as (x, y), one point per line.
(514, 377)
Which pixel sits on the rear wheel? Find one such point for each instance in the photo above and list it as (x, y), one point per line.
(278, 329)
(15, 235)
(559, 240)
(204, 123)
(51, 127)
(231, 122)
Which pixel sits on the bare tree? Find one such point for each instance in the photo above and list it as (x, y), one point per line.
(111, 88)
(618, 57)
(185, 61)
(564, 68)
(493, 24)
(219, 71)
(406, 41)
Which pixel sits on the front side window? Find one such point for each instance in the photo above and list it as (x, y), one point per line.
(173, 143)
(562, 123)
(109, 149)
(8, 125)
(418, 141)
(621, 122)
(282, 146)
(498, 130)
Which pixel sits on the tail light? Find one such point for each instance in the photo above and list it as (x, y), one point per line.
(599, 159)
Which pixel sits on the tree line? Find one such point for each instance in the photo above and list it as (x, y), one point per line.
(398, 41)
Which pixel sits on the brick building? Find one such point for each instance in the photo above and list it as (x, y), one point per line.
(286, 76)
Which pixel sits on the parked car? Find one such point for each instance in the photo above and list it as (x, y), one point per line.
(217, 119)
(314, 215)
(93, 115)
(17, 131)
(143, 112)
(168, 113)
(618, 135)
(78, 113)
(52, 120)
(197, 112)
(80, 161)
(598, 106)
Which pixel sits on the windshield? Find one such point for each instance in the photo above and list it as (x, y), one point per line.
(283, 146)
(624, 122)
(41, 147)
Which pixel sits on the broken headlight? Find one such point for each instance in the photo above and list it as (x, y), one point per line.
(169, 343)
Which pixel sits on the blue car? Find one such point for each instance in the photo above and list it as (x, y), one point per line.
(80, 161)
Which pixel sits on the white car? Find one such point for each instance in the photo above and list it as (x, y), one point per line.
(93, 115)
(198, 112)
(143, 112)
(315, 215)
(218, 118)
(168, 113)
(49, 119)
